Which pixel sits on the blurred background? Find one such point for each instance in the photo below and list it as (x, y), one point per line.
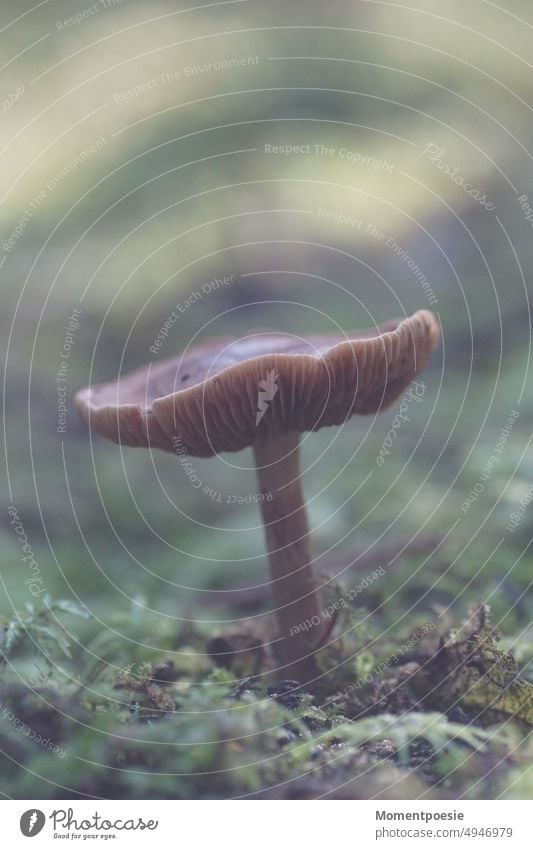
(340, 165)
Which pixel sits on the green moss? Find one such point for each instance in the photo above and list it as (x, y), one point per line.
(432, 719)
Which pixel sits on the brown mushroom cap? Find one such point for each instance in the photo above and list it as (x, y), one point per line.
(206, 401)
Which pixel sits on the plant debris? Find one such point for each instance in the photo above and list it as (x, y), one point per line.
(434, 718)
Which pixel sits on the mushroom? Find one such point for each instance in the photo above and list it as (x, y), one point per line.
(263, 391)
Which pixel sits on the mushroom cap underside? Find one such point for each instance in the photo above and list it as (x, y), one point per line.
(224, 395)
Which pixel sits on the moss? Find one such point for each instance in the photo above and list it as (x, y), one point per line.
(444, 717)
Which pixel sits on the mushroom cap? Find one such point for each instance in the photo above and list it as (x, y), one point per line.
(225, 394)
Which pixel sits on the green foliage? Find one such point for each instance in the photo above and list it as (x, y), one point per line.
(154, 730)
(405, 729)
(39, 629)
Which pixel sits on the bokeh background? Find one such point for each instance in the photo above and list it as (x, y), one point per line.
(145, 153)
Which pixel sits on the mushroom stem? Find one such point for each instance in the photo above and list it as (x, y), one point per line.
(296, 599)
